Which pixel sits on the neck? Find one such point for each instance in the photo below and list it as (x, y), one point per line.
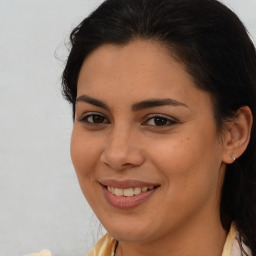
(204, 239)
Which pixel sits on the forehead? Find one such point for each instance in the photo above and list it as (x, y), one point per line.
(141, 69)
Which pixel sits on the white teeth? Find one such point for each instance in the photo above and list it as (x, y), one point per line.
(137, 191)
(119, 192)
(128, 191)
(144, 189)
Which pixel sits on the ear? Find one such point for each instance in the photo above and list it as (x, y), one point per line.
(237, 135)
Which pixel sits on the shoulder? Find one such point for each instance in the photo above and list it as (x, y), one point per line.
(42, 253)
(239, 248)
(104, 247)
(234, 245)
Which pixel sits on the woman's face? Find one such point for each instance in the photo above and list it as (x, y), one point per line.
(145, 132)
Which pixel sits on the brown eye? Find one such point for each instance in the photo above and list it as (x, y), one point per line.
(160, 121)
(94, 119)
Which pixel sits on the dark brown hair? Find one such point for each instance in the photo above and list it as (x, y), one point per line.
(213, 44)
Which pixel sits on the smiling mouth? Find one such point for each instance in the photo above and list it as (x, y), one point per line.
(128, 192)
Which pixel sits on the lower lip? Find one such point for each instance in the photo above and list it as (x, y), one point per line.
(127, 202)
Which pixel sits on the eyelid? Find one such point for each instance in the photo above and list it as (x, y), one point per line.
(171, 120)
(89, 114)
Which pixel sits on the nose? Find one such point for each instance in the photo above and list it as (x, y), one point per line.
(122, 150)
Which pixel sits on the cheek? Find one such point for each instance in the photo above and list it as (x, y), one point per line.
(188, 163)
(84, 154)
(191, 179)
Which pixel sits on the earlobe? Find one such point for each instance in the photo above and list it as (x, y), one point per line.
(237, 135)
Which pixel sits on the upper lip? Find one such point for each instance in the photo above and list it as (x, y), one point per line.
(126, 183)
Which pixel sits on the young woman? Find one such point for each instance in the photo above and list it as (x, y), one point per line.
(163, 144)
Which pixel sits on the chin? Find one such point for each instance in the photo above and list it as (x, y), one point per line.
(129, 231)
(130, 235)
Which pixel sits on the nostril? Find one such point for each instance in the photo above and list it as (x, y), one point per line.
(118, 155)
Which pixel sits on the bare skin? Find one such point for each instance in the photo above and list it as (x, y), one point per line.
(140, 117)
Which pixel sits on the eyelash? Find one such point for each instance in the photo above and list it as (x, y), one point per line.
(167, 121)
(93, 115)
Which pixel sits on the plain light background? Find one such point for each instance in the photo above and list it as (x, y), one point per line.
(41, 205)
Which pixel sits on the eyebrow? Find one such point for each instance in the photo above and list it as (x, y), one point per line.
(150, 103)
(92, 101)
